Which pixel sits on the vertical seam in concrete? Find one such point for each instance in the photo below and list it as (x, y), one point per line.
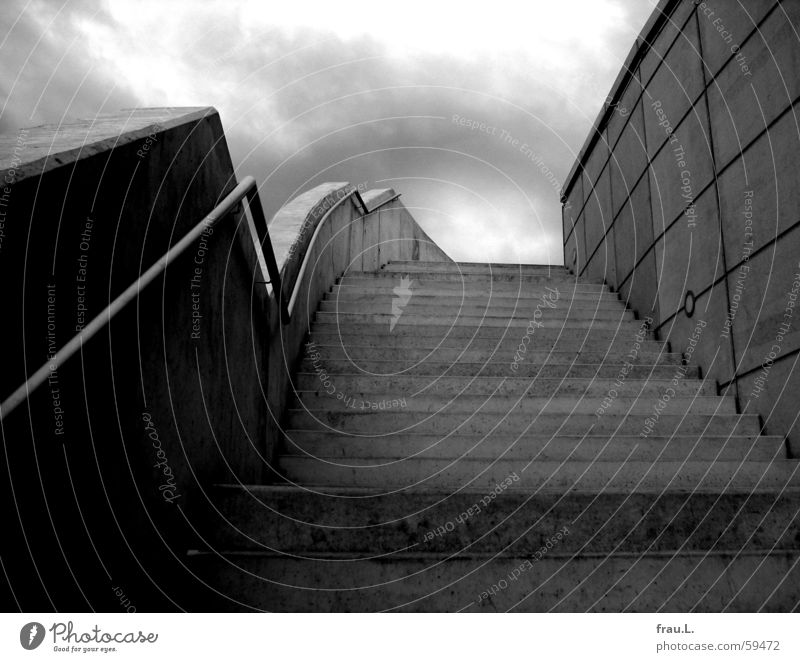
(611, 223)
(720, 224)
(583, 229)
(652, 246)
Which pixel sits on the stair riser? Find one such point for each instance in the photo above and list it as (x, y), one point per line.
(500, 340)
(681, 584)
(509, 522)
(547, 321)
(524, 370)
(469, 309)
(542, 280)
(396, 421)
(555, 449)
(410, 355)
(497, 386)
(449, 267)
(595, 337)
(573, 475)
(566, 405)
(457, 293)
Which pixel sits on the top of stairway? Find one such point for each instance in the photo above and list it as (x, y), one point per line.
(418, 264)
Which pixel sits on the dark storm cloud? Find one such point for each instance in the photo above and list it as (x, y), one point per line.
(478, 143)
(45, 70)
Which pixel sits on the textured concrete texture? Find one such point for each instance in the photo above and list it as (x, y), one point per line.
(427, 466)
(177, 392)
(700, 140)
(138, 409)
(336, 232)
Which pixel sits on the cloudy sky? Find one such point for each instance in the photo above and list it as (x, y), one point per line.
(473, 111)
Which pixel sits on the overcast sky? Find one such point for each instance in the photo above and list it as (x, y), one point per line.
(350, 91)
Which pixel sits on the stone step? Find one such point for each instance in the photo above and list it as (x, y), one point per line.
(670, 581)
(394, 421)
(416, 386)
(551, 320)
(384, 306)
(523, 280)
(409, 355)
(600, 335)
(501, 519)
(565, 339)
(525, 369)
(534, 405)
(457, 291)
(316, 443)
(420, 474)
(475, 267)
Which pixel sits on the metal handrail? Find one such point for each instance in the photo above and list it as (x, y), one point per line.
(365, 210)
(246, 190)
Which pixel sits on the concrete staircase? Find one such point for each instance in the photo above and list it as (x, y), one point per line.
(485, 437)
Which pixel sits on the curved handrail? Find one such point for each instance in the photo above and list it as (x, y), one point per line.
(246, 189)
(364, 208)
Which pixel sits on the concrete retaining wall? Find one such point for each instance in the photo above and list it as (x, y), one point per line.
(685, 195)
(110, 463)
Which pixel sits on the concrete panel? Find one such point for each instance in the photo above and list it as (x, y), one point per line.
(570, 254)
(602, 264)
(571, 207)
(724, 25)
(676, 85)
(744, 105)
(371, 242)
(681, 170)
(759, 195)
(320, 262)
(689, 258)
(597, 213)
(356, 246)
(390, 233)
(774, 395)
(341, 226)
(416, 244)
(595, 162)
(579, 236)
(623, 109)
(633, 231)
(663, 42)
(629, 159)
(711, 351)
(640, 291)
(766, 302)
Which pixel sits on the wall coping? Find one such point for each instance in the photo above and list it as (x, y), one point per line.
(37, 150)
(293, 227)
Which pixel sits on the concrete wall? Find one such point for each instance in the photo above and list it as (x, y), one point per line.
(108, 458)
(685, 196)
(349, 241)
(110, 464)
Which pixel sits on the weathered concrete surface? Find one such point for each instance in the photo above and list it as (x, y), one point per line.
(117, 445)
(33, 151)
(350, 238)
(419, 465)
(702, 116)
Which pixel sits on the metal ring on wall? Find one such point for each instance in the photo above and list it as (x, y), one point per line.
(688, 303)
